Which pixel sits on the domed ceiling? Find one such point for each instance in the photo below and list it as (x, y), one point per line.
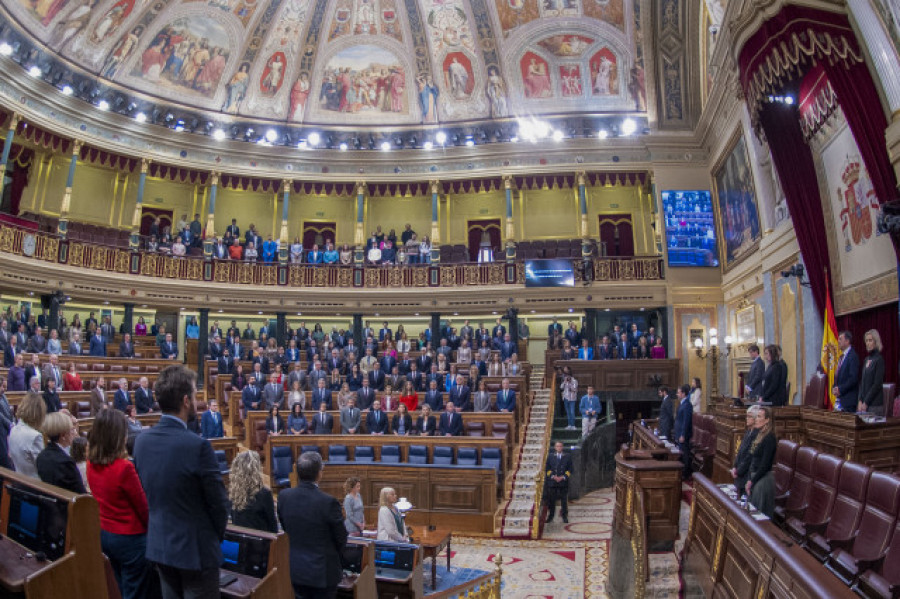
(369, 62)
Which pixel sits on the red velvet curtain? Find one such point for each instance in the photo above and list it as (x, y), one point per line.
(884, 319)
(617, 232)
(477, 229)
(147, 216)
(19, 165)
(312, 231)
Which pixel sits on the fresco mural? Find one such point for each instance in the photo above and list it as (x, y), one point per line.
(365, 17)
(364, 79)
(428, 98)
(535, 76)
(567, 45)
(273, 75)
(458, 75)
(237, 89)
(107, 26)
(299, 96)
(570, 77)
(121, 52)
(604, 73)
(189, 54)
(516, 13)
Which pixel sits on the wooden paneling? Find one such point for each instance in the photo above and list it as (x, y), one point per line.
(622, 375)
(660, 482)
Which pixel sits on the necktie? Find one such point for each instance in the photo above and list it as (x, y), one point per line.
(559, 456)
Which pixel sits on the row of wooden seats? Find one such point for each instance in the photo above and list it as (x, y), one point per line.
(842, 512)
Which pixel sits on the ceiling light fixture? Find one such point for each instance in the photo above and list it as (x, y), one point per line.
(602, 133)
(218, 135)
(385, 146)
(343, 147)
(103, 105)
(6, 49)
(271, 135)
(427, 145)
(314, 139)
(440, 137)
(67, 90)
(35, 71)
(628, 127)
(140, 117)
(557, 135)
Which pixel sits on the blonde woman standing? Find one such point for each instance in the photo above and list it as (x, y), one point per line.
(390, 524)
(252, 505)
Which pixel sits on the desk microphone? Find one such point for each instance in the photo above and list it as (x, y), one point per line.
(40, 556)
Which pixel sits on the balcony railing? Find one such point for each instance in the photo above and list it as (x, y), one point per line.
(50, 248)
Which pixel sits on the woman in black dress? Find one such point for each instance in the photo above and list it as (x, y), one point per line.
(871, 383)
(775, 378)
(252, 505)
(761, 484)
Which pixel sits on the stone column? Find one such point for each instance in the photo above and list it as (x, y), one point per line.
(63, 226)
(435, 222)
(7, 146)
(211, 217)
(591, 316)
(435, 328)
(128, 319)
(358, 332)
(359, 233)
(283, 247)
(510, 228)
(134, 241)
(281, 328)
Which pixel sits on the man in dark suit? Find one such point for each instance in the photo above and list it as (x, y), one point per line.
(445, 349)
(98, 345)
(604, 349)
(321, 395)
(459, 395)
(506, 397)
(433, 397)
(499, 330)
(250, 397)
(126, 347)
(351, 418)
(15, 378)
(168, 350)
(451, 422)
(211, 422)
(666, 414)
(37, 344)
(315, 374)
(143, 396)
(122, 398)
(554, 327)
(225, 363)
(415, 376)
(377, 420)
(384, 332)
(365, 395)
(507, 348)
(424, 363)
(435, 376)
(684, 427)
(753, 383)
(559, 468)
(376, 377)
(12, 350)
(314, 523)
(215, 348)
(846, 379)
(624, 347)
(273, 393)
(187, 500)
(323, 422)
(387, 364)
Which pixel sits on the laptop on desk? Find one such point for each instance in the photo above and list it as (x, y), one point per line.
(394, 560)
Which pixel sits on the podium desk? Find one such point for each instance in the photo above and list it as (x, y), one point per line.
(660, 482)
(432, 542)
(360, 585)
(50, 541)
(259, 562)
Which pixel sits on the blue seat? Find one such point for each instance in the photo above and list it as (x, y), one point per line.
(466, 456)
(314, 448)
(418, 454)
(490, 456)
(390, 454)
(282, 462)
(337, 453)
(365, 454)
(223, 461)
(442, 455)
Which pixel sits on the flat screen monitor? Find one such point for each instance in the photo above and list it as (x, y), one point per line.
(37, 521)
(245, 554)
(549, 273)
(690, 228)
(398, 556)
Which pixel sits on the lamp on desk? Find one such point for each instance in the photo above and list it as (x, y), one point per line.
(404, 506)
(713, 352)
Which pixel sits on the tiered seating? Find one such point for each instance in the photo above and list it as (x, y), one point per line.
(703, 444)
(846, 515)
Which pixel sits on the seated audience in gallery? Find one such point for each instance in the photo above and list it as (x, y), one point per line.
(658, 352)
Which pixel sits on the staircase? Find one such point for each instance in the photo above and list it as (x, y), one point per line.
(561, 421)
(515, 518)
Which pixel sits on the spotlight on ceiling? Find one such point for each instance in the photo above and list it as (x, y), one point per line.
(271, 135)
(67, 90)
(314, 139)
(103, 105)
(602, 133)
(302, 144)
(440, 137)
(469, 141)
(427, 145)
(343, 146)
(179, 125)
(218, 135)
(557, 135)
(385, 146)
(170, 117)
(628, 127)
(35, 71)
(6, 49)
(140, 117)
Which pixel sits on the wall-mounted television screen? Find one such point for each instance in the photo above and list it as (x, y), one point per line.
(549, 273)
(690, 228)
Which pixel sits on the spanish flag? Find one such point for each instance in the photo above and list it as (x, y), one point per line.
(830, 351)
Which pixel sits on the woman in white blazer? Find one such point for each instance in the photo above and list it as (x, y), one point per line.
(389, 521)
(25, 439)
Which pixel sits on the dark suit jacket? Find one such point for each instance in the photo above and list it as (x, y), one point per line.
(250, 395)
(318, 428)
(376, 380)
(9, 357)
(428, 429)
(98, 346)
(314, 523)
(447, 427)
(126, 350)
(225, 366)
(459, 395)
(271, 427)
(684, 421)
(211, 428)
(15, 379)
(871, 389)
(743, 459)
(321, 396)
(55, 467)
(847, 380)
(382, 425)
(435, 400)
(510, 404)
(755, 377)
(666, 417)
(774, 381)
(188, 502)
(51, 400)
(122, 400)
(143, 400)
(169, 351)
(364, 397)
(558, 467)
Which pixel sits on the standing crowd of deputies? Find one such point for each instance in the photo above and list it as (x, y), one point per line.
(616, 344)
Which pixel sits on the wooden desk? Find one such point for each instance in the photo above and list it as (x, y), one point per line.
(622, 375)
(276, 584)
(80, 571)
(660, 482)
(432, 542)
(730, 554)
(846, 436)
(413, 587)
(643, 438)
(362, 585)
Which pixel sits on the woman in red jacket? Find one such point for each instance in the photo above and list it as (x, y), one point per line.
(409, 397)
(121, 501)
(71, 379)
